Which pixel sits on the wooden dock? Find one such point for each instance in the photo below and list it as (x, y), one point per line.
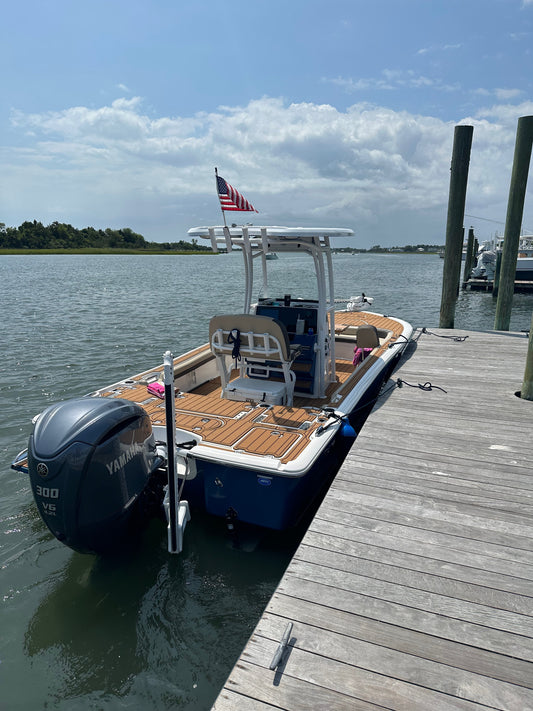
(520, 287)
(413, 587)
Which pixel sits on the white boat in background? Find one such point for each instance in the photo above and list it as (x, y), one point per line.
(245, 427)
(486, 260)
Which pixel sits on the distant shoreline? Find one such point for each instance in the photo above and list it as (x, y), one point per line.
(103, 250)
(167, 252)
(384, 251)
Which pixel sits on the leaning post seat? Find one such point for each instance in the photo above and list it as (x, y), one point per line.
(367, 336)
(263, 350)
(367, 340)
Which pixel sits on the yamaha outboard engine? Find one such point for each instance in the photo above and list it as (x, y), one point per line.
(89, 461)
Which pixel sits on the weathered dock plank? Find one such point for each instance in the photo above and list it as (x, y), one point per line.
(413, 587)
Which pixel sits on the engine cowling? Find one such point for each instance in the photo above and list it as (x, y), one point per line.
(89, 461)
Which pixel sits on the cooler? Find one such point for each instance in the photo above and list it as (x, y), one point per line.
(271, 392)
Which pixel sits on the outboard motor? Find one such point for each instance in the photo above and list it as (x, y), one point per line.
(89, 461)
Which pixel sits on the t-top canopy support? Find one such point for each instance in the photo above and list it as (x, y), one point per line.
(258, 242)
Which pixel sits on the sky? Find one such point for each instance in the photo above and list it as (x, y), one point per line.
(115, 113)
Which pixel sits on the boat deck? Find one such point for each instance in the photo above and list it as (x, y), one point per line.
(251, 427)
(413, 586)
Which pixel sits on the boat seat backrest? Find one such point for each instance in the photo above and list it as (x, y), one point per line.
(253, 329)
(367, 336)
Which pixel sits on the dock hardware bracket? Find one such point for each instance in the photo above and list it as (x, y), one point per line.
(278, 656)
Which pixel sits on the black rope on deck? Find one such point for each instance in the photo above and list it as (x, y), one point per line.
(427, 387)
(398, 342)
(398, 383)
(439, 335)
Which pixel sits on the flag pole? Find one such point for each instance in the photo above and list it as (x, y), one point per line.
(227, 235)
(222, 211)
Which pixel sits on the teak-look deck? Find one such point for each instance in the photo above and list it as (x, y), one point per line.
(279, 431)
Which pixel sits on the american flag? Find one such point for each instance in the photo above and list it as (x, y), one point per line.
(231, 199)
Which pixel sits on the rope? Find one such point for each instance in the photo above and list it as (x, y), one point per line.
(235, 338)
(427, 387)
(398, 342)
(454, 338)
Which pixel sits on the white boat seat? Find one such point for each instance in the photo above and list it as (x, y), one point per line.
(264, 351)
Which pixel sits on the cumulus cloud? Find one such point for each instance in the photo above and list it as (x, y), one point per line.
(366, 167)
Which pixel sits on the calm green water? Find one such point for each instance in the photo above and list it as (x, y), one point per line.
(146, 630)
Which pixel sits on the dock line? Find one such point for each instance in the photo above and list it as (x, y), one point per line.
(459, 339)
(427, 387)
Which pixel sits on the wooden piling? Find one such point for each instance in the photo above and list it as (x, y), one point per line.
(496, 285)
(527, 386)
(513, 221)
(454, 227)
(469, 257)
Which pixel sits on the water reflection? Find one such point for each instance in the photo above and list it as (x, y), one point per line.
(162, 631)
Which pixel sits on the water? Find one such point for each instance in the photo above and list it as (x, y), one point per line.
(145, 630)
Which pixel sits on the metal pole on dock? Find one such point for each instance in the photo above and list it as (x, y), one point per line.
(513, 222)
(454, 227)
(527, 386)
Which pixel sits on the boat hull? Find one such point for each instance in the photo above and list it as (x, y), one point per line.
(262, 499)
(270, 500)
(524, 269)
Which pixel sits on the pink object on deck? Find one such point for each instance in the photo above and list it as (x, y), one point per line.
(359, 354)
(156, 389)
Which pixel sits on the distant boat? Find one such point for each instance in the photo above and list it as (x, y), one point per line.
(463, 253)
(486, 262)
(271, 255)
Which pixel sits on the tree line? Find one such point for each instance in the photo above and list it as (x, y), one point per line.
(58, 235)
(407, 248)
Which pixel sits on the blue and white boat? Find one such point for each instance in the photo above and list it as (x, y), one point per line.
(486, 259)
(245, 427)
